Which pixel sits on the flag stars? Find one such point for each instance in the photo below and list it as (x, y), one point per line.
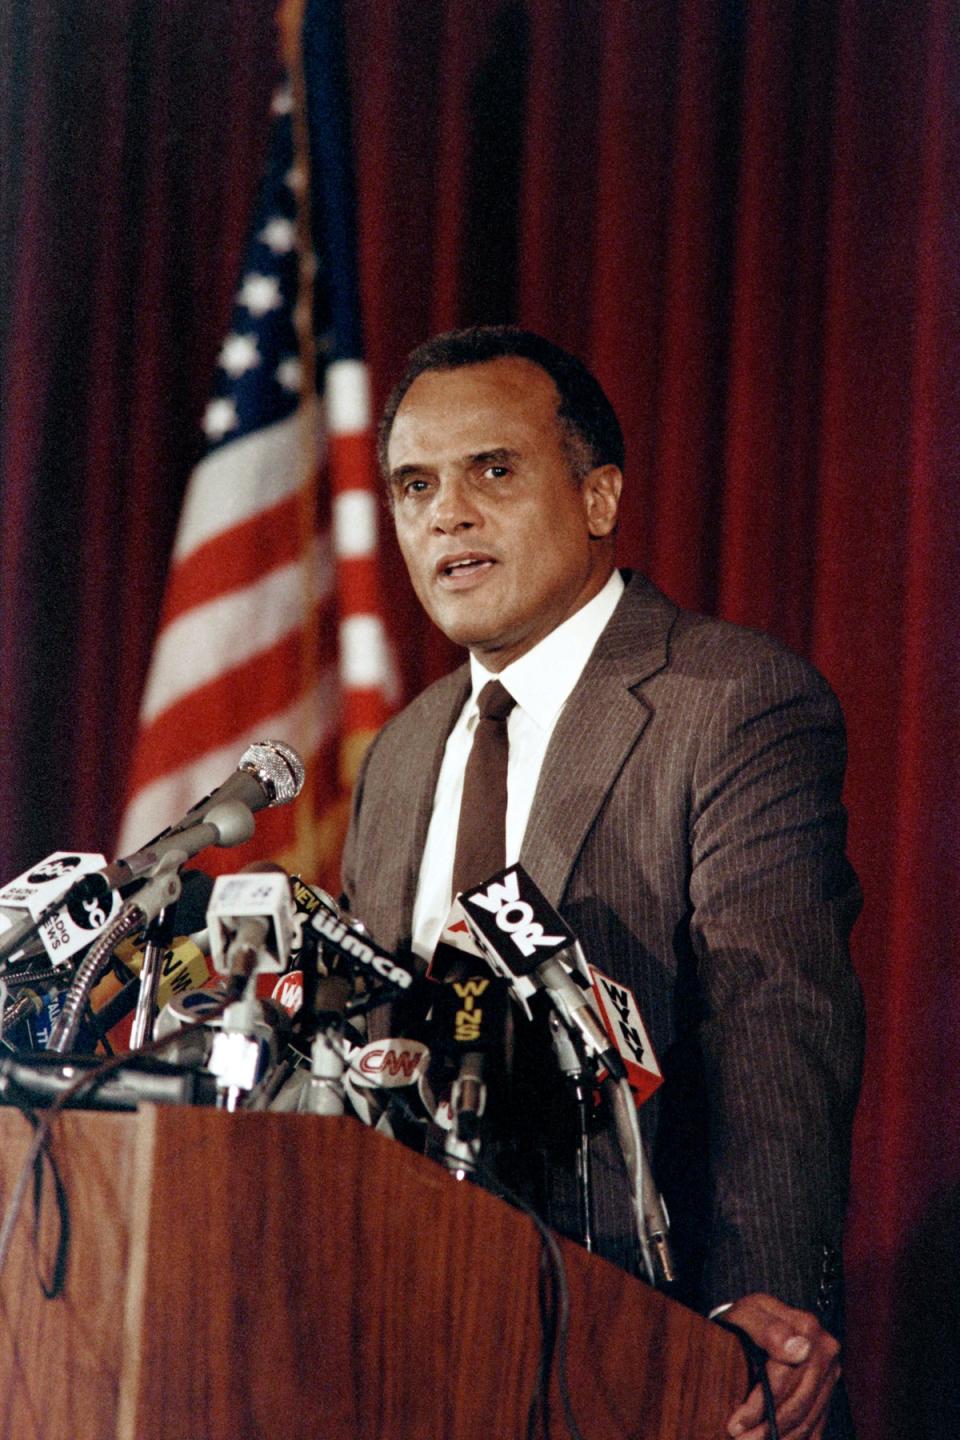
(239, 354)
(282, 101)
(289, 374)
(279, 234)
(260, 294)
(220, 417)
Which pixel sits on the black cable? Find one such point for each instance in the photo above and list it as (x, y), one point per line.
(557, 1305)
(54, 1287)
(756, 1358)
(89, 1080)
(540, 1399)
(560, 1331)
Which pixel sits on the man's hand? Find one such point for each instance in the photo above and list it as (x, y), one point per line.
(803, 1368)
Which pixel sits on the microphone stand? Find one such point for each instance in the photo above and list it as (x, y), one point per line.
(576, 1072)
(157, 938)
(324, 1093)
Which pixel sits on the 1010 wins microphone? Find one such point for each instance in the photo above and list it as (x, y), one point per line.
(468, 1021)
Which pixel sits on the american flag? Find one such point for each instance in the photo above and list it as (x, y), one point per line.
(271, 625)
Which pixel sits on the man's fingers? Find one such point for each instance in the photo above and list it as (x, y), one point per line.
(801, 1412)
(786, 1334)
(749, 1421)
(802, 1370)
(807, 1423)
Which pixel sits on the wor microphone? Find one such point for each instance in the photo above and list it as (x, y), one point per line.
(523, 937)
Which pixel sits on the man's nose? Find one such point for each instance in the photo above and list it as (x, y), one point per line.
(454, 507)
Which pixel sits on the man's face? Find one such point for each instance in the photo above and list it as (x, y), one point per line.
(501, 540)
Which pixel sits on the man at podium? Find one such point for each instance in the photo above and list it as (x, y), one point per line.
(673, 784)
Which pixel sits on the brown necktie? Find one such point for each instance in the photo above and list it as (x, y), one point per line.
(481, 834)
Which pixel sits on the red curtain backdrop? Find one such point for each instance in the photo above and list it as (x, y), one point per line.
(746, 219)
(133, 139)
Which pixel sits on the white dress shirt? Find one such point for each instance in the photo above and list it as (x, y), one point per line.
(541, 682)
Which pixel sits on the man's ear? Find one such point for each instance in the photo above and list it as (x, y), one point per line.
(601, 497)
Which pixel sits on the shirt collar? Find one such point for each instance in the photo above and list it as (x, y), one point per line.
(542, 680)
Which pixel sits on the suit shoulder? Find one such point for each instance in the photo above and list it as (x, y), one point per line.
(724, 653)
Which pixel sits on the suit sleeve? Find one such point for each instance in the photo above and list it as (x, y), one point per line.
(773, 900)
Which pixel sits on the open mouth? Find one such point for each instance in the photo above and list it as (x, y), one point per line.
(465, 568)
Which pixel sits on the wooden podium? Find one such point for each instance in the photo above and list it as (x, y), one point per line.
(233, 1277)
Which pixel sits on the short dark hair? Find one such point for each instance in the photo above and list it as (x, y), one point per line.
(584, 410)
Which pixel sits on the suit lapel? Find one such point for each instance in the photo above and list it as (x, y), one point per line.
(421, 757)
(600, 725)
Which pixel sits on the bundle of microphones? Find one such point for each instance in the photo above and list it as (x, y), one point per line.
(255, 990)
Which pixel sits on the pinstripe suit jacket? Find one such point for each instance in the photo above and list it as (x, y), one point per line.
(688, 824)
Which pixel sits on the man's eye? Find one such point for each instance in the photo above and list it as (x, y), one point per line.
(414, 487)
(497, 472)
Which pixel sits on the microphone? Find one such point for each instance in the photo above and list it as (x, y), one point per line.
(378, 1067)
(511, 920)
(523, 937)
(27, 1003)
(624, 1024)
(160, 892)
(180, 964)
(468, 1022)
(29, 906)
(251, 920)
(344, 938)
(269, 773)
(269, 1027)
(184, 967)
(324, 1092)
(225, 824)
